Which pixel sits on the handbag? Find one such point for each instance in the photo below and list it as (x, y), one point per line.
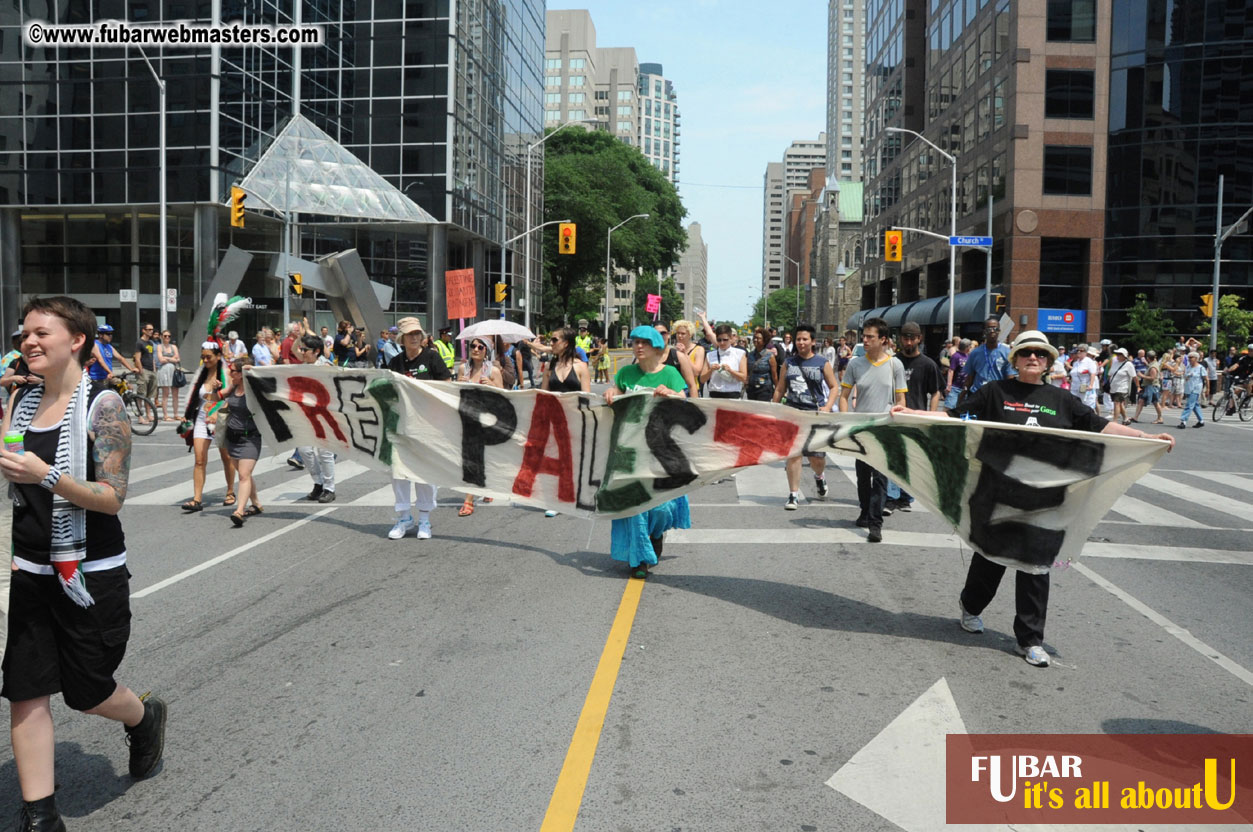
(186, 430)
(180, 378)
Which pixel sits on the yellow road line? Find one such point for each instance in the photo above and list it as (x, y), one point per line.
(563, 808)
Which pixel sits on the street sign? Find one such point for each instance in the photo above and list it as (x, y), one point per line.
(128, 296)
(171, 300)
(1062, 320)
(970, 241)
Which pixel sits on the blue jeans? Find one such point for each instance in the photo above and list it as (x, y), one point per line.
(1190, 405)
(950, 398)
(895, 493)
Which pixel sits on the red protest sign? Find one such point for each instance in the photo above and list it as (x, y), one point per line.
(459, 291)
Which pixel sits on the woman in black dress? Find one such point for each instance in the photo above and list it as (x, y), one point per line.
(243, 440)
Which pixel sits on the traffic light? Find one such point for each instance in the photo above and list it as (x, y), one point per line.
(1207, 305)
(566, 237)
(502, 292)
(892, 246)
(296, 281)
(237, 206)
(998, 303)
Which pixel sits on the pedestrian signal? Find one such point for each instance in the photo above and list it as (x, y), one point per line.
(892, 246)
(237, 206)
(998, 303)
(1207, 305)
(566, 237)
(296, 281)
(502, 292)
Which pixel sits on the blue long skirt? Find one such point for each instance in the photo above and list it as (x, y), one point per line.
(629, 537)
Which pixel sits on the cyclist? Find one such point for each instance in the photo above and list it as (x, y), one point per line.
(1239, 375)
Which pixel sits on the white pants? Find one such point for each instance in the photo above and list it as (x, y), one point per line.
(320, 463)
(422, 493)
(6, 561)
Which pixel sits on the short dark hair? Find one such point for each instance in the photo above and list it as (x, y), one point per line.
(723, 329)
(78, 317)
(312, 342)
(879, 325)
(994, 318)
(804, 328)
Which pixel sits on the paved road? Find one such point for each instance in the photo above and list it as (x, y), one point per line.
(321, 677)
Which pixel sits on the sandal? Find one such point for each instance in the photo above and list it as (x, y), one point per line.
(253, 511)
(1158, 422)
(229, 501)
(641, 572)
(192, 505)
(237, 519)
(488, 499)
(467, 508)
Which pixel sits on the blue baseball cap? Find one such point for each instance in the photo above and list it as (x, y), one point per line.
(105, 328)
(647, 333)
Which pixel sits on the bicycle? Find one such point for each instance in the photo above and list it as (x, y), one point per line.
(137, 407)
(1226, 405)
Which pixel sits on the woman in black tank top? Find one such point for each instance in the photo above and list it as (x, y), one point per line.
(566, 373)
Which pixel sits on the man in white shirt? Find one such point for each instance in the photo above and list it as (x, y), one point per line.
(1121, 372)
(234, 348)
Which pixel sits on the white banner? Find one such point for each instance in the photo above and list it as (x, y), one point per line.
(1023, 496)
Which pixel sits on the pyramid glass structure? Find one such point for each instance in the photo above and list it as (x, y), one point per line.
(305, 171)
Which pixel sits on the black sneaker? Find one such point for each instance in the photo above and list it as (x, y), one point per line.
(147, 739)
(326, 496)
(1199, 425)
(863, 522)
(792, 503)
(315, 494)
(887, 510)
(875, 534)
(904, 505)
(295, 463)
(821, 484)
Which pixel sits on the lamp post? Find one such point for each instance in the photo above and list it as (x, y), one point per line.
(164, 263)
(798, 290)
(608, 269)
(1220, 236)
(952, 249)
(526, 313)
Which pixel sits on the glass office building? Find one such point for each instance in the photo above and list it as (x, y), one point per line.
(438, 98)
(1180, 115)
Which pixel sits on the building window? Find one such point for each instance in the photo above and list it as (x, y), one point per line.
(624, 95)
(624, 111)
(577, 63)
(626, 126)
(551, 64)
(602, 95)
(552, 81)
(580, 115)
(1063, 272)
(578, 98)
(552, 115)
(577, 80)
(1072, 20)
(1068, 93)
(1067, 170)
(552, 98)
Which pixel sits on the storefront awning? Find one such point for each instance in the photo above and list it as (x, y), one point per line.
(967, 306)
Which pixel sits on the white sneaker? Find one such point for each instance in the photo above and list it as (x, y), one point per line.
(550, 513)
(1033, 655)
(402, 527)
(970, 623)
(424, 530)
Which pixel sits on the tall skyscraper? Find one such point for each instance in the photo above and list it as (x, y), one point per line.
(846, 62)
(691, 275)
(773, 193)
(659, 120)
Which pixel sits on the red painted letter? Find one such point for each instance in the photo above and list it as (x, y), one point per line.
(547, 418)
(297, 388)
(753, 434)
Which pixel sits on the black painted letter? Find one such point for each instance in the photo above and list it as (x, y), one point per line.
(476, 436)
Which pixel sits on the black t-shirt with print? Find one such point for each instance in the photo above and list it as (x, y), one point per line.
(922, 380)
(1018, 403)
(147, 354)
(426, 365)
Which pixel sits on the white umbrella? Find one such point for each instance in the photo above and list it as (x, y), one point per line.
(507, 330)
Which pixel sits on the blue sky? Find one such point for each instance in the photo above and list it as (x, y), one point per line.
(750, 77)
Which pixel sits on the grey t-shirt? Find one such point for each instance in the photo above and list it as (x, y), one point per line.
(876, 385)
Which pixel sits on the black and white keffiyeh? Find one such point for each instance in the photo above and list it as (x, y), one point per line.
(68, 546)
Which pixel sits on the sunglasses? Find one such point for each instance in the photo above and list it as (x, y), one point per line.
(1034, 353)
(207, 356)
(662, 333)
(477, 347)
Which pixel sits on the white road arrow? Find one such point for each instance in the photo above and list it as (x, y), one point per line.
(899, 775)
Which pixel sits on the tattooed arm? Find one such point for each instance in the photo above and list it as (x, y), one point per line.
(111, 451)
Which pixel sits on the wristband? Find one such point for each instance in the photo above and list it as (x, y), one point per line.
(50, 481)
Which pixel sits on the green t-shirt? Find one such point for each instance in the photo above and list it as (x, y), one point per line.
(630, 378)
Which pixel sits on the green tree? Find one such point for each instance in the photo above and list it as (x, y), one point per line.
(782, 307)
(1234, 323)
(1149, 326)
(598, 181)
(671, 300)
